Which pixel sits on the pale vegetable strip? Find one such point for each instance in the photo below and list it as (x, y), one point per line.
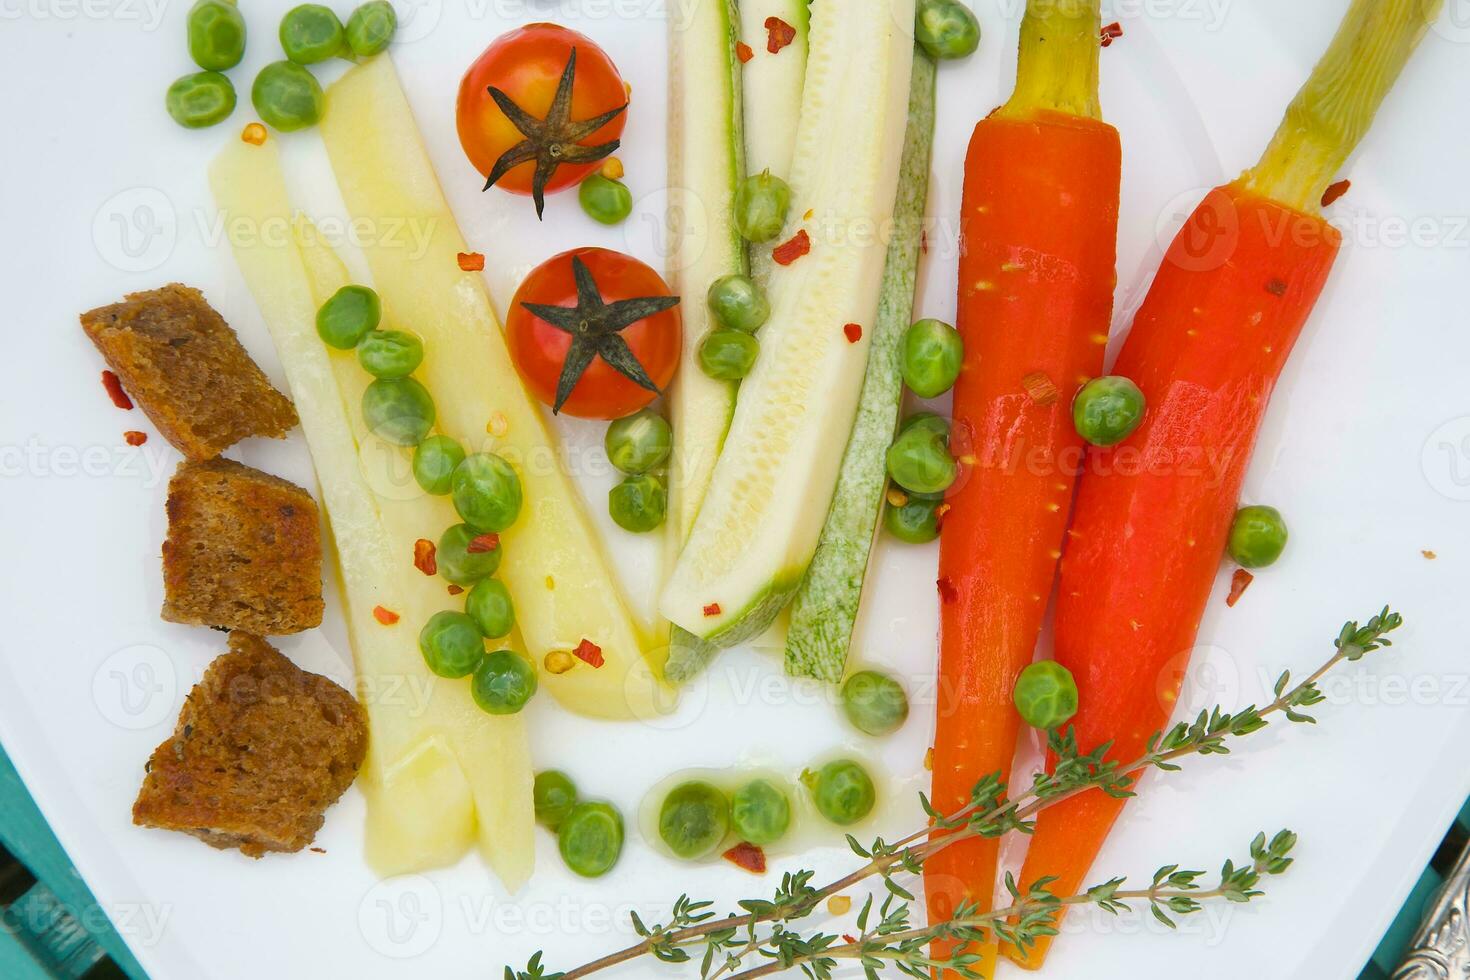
(826, 607)
(554, 563)
(440, 772)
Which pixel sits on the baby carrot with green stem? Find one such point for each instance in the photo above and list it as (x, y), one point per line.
(1206, 348)
(1036, 276)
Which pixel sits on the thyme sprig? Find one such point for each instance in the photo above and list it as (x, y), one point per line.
(893, 940)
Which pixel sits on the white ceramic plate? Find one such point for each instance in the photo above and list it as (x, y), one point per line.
(1366, 449)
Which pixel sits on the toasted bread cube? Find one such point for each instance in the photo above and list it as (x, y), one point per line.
(244, 550)
(261, 749)
(184, 366)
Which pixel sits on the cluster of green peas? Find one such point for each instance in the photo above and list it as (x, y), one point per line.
(637, 445)
(486, 491)
(589, 833)
(285, 94)
(919, 461)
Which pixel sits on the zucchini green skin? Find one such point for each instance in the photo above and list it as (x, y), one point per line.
(826, 605)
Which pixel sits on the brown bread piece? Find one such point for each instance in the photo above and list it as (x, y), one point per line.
(261, 749)
(244, 550)
(184, 366)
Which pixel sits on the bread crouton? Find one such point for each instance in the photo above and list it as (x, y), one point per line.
(244, 550)
(261, 749)
(185, 368)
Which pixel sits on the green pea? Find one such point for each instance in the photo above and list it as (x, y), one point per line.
(199, 100)
(371, 27)
(311, 33)
(738, 303)
(946, 29)
(760, 206)
(503, 683)
(451, 644)
(216, 34)
(487, 492)
(349, 316)
(728, 355)
(400, 412)
(1046, 695)
(842, 791)
(760, 813)
(605, 200)
(553, 794)
(434, 461)
(1107, 410)
(639, 503)
(638, 442)
(287, 96)
(874, 703)
(693, 819)
(590, 839)
(919, 461)
(460, 565)
(490, 606)
(1257, 536)
(932, 352)
(390, 354)
(913, 522)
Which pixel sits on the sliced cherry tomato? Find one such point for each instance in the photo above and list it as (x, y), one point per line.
(527, 66)
(599, 348)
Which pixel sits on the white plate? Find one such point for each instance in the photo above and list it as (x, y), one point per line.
(1366, 449)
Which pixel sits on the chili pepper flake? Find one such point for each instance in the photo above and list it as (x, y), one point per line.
(1429, 555)
(385, 616)
(747, 857)
(1334, 192)
(559, 662)
(1111, 33)
(1039, 388)
(924, 241)
(481, 543)
(254, 134)
(852, 332)
(849, 938)
(135, 438)
(1276, 287)
(947, 592)
(743, 52)
(1239, 582)
(471, 261)
(789, 251)
(589, 653)
(456, 590)
(778, 34)
(114, 387)
(713, 609)
(423, 557)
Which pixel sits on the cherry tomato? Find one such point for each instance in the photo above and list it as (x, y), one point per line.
(526, 64)
(540, 349)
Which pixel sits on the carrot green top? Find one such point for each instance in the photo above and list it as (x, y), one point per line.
(1057, 70)
(1334, 109)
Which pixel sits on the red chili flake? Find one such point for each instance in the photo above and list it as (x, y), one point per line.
(1276, 287)
(471, 261)
(924, 241)
(1039, 388)
(788, 252)
(114, 387)
(947, 592)
(423, 557)
(713, 609)
(385, 616)
(1239, 582)
(1111, 33)
(849, 938)
(748, 857)
(778, 34)
(743, 52)
(589, 653)
(135, 438)
(482, 543)
(1335, 191)
(318, 850)
(852, 332)
(456, 589)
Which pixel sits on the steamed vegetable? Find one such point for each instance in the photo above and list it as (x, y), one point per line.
(216, 31)
(287, 96)
(201, 99)
(1257, 536)
(1206, 349)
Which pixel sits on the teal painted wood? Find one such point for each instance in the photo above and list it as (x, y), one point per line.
(60, 934)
